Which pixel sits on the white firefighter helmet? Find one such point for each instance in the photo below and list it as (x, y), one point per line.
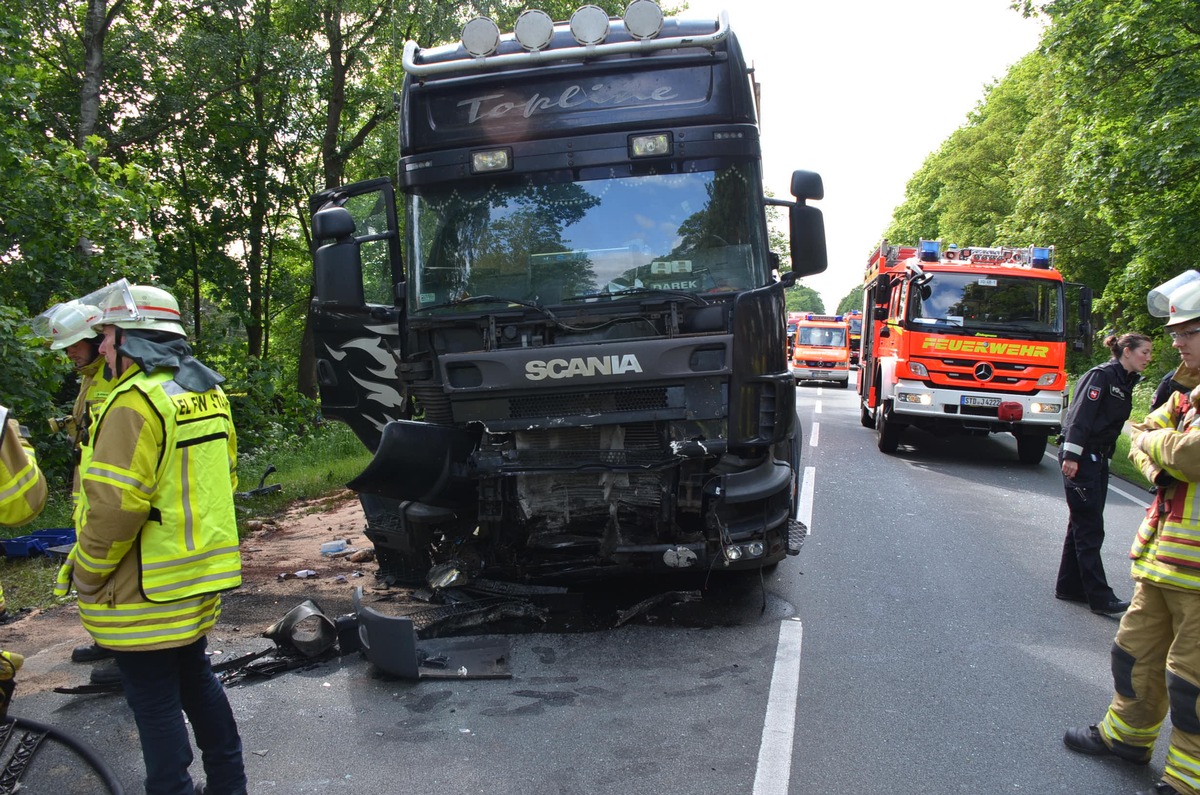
(68, 323)
(138, 306)
(1178, 300)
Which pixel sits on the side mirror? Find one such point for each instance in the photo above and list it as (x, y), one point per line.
(807, 185)
(809, 254)
(337, 265)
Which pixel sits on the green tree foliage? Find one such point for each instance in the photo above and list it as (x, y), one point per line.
(1091, 144)
(804, 299)
(851, 300)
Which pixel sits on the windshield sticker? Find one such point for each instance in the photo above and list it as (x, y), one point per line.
(427, 298)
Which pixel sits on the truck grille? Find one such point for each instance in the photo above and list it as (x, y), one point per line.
(597, 402)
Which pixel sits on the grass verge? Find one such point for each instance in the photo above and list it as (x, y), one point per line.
(308, 467)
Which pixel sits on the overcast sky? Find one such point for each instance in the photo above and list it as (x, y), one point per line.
(862, 91)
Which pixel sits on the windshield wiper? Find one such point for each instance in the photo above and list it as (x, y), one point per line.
(483, 299)
(695, 299)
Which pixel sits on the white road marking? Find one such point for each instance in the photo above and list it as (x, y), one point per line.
(816, 407)
(779, 727)
(804, 509)
(1132, 498)
(816, 431)
(1128, 496)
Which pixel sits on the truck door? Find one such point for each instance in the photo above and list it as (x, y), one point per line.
(357, 312)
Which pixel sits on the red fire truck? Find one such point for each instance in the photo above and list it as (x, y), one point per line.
(969, 341)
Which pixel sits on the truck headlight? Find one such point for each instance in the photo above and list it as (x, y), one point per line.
(920, 398)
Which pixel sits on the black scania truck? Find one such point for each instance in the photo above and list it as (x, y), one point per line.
(565, 346)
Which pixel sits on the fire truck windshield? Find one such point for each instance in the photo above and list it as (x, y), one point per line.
(696, 233)
(1022, 306)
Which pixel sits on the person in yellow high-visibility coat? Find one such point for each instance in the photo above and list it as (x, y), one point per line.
(157, 538)
(1156, 653)
(69, 327)
(22, 484)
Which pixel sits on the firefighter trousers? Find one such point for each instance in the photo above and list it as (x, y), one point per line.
(1081, 570)
(1156, 668)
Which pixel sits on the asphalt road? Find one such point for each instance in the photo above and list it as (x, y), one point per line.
(914, 646)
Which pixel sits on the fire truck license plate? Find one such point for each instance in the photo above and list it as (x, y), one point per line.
(820, 372)
(971, 400)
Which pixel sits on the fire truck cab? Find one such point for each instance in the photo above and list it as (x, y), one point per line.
(969, 341)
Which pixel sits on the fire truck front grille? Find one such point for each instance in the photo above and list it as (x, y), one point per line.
(816, 363)
(1005, 380)
(970, 364)
(598, 402)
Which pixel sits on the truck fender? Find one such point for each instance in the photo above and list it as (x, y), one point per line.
(887, 380)
(417, 461)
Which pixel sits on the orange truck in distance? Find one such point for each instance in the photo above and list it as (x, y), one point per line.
(821, 349)
(854, 318)
(969, 341)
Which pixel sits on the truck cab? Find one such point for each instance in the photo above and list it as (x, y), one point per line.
(560, 330)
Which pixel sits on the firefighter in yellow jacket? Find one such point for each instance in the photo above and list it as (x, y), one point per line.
(22, 485)
(157, 537)
(1156, 654)
(69, 327)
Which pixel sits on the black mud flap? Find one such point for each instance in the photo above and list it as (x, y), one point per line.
(417, 461)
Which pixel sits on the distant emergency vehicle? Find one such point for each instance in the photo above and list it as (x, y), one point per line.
(821, 350)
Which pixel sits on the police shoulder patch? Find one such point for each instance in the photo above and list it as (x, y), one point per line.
(1093, 393)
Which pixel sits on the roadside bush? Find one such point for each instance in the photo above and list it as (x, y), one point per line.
(267, 417)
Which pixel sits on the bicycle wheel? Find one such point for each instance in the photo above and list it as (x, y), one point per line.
(38, 759)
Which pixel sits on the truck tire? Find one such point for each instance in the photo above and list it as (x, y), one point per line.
(1030, 449)
(864, 416)
(887, 433)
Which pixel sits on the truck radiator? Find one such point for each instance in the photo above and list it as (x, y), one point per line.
(595, 402)
(585, 503)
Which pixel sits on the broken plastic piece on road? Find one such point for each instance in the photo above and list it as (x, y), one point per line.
(333, 547)
(303, 574)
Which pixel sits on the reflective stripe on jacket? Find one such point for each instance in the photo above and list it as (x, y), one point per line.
(22, 484)
(93, 391)
(1166, 447)
(157, 530)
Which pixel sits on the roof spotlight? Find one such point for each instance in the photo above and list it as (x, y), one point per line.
(534, 29)
(480, 37)
(589, 25)
(643, 19)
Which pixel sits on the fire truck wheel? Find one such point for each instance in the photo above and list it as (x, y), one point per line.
(864, 417)
(1030, 449)
(887, 433)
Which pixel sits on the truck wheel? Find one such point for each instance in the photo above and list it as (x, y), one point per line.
(864, 416)
(1030, 449)
(887, 433)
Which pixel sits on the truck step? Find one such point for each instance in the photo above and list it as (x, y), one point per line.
(797, 532)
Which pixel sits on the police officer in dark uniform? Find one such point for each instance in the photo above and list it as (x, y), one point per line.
(1102, 403)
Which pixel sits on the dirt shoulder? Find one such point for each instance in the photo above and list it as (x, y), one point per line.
(282, 545)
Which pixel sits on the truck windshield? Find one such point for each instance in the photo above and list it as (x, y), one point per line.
(1018, 305)
(588, 240)
(825, 337)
